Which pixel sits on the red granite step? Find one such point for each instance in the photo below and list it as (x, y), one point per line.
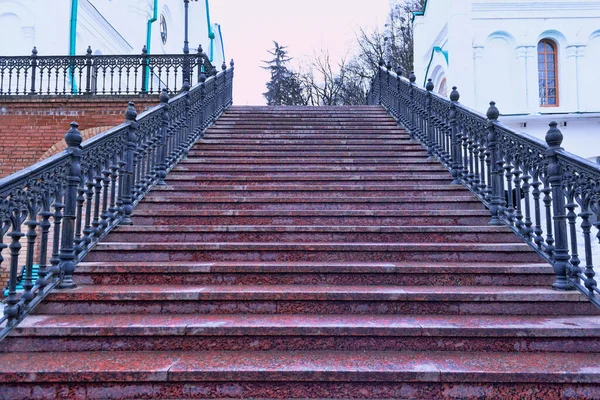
(283, 135)
(310, 234)
(479, 217)
(314, 299)
(298, 372)
(291, 273)
(416, 158)
(185, 332)
(305, 191)
(341, 154)
(197, 179)
(157, 202)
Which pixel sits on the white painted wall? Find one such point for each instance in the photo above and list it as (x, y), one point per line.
(492, 55)
(108, 26)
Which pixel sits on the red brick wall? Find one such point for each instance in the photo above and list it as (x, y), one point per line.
(30, 126)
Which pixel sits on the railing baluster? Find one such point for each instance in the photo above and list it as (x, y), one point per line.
(67, 248)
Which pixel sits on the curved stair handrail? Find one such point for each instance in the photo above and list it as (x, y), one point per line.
(546, 195)
(55, 211)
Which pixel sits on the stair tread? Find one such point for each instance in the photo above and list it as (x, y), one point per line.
(313, 325)
(298, 366)
(321, 292)
(311, 228)
(315, 267)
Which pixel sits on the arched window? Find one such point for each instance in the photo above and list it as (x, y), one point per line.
(548, 73)
(442, 88)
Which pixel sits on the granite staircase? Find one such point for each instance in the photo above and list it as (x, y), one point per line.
(308, 253)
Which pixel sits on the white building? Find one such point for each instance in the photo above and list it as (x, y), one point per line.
(538, 59)
(61, 27)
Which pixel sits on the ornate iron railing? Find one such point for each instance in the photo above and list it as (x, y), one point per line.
(101, 74)
(68, 202)
(532, 186)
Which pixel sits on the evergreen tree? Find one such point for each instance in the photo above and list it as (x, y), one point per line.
(284, 88)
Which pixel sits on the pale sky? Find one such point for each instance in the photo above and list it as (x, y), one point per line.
(250, 26)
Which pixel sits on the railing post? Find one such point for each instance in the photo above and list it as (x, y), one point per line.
(497, 201)
(456, 150)
(145, 68)
(429, 127)
(411, 106)
(67, 246)
(34, 55)
(88, 68)
(183, 150)
(399, 105)
(130, 147)
(561, 257)
(162, 147)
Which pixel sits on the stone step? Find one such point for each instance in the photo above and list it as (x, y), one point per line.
(304, 135)
(191, 192)
(398, 144)
(318, 251)
(479, 217)
(295, 273)
(310, 234)
(302, 374)
(298, 188)
(157, 202)
(302, 332)
(305, 147)
(334, 155)
(179, 177)
(425, 167)
(315, 299)
(417, 158)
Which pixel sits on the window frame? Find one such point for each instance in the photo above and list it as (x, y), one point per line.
(545, 70)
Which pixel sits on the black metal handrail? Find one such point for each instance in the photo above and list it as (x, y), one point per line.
(534, 187)
(101, 74)
(65, 204)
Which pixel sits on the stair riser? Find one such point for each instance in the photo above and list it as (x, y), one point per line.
(342, 135)
(299, 220)
(286, 161)
(195, 180)
(229, 307)
(173, 205)
(442, 279)
(313, 148)
(263, 389)
(201, 152)
(248, 341)
(176, 236)
(332, 256)
(173, 195)
(399, 144)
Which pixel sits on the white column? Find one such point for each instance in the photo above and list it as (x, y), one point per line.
(570, 79)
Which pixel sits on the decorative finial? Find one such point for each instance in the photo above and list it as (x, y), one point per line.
(412, 77)
(224, 66)
(131, 114)
(73, 136)
(89, 51)
(200, 50)
(185, 87)
(144, 50)
(492, 112)
(429, 85)
(231, 63)
(389, 66)
(554, 136)
(164, 95)
(34, 51)
(454, 95)
(381, 63)
(399, 71)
